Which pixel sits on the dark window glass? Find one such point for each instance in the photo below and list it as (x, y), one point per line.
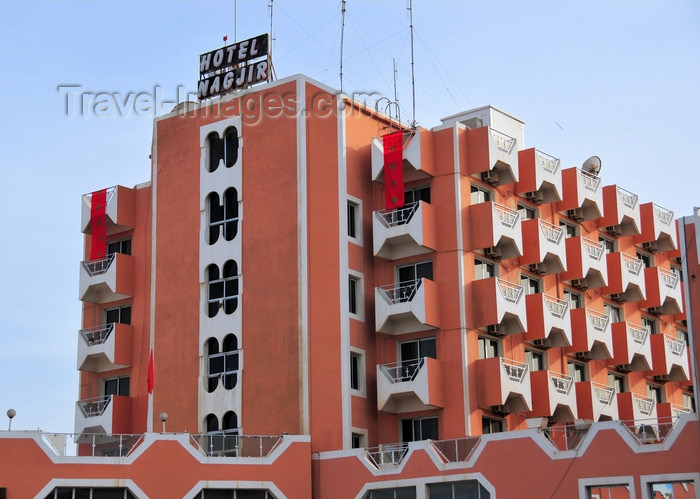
(352, 295)
(352, 219)
(354, 371)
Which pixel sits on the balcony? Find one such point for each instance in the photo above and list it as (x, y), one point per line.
(669, 358)
(406, 307)
(495, 229)
(586, 265)
(492, 156)
(540, 177)
(639, 414)
(498, 305)
(553, 395)
(416, 157)
(409, 386)
(583, 195)
(548, 321)
(408, 231)
(504, 385)
(592, 334)
(544, 248)
(664, 295)
(658, 229)
(120, 210)
(104, 348)
(109, 414)
(631, 347)
(596, 402)
(622, 215)
(625, 278)
(107, 279)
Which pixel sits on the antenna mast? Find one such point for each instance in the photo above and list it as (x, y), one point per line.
(342, 39)
(235, 20)
(271, 72)
(413, 75)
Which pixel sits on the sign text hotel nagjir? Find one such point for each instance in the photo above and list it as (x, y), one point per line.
(234, 66)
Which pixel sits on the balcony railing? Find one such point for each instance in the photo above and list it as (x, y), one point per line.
(639, 334)
(589, 181)
(676, 347)
(401, 292)
(605, 394)
(551, 232)
(455, 450)
(507, 216)
(644, 405)
(510, 292)
(109, 194)
(632, 264)
(677, 410)
(556, 306)
(665, 216)
(548, 163)
(403, 371)
(94, 406)
(597, 320)
(98, 267)
(627, 198)
(100, 444)
(561, 382)
(504, 142)
(97, 335)
(387, 455)
(515, 371)
(669, 278)
(567, 437)
(595, 250)
(228, 443)
(400, 216)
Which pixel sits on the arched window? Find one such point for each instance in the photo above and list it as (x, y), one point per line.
(222, 291)
(230, 422)
(223, 217)
(212, 423)
(222, 365)
(225, 149)
(211, 351)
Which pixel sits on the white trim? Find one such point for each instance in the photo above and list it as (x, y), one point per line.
(647, 480)
(421, 484)
(359, 295)
(584, 483)
(233, 484)
(362, 372)
(303, 260)
(358, 239)
(92, 482)
(359, 431)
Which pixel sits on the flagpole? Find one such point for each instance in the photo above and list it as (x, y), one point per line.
(149, 384)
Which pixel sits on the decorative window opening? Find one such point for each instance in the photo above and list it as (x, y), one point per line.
(222, 291)
(225, 149)
(223, 218)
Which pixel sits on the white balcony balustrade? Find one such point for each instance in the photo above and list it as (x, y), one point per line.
(540, 179)
(504, 385)
(544, 248)
(496, 229)
(596, 402)
(406, 307)
(404, 232)
(120, 210)
(586, 264)
(583, 195)
(408, 386)
(107, 279)
(658, 229)
(548, 320)
(499, 305)
(107, 414)
(670, 358)
(592, 334)
(553, 395)
(105, 347)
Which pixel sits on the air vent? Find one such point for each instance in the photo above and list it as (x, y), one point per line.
(490, 177)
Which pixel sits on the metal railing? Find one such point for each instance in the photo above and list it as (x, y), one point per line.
(556, 306)
(108, 197)
(98, 334)
(510, 292)
(507, 216)
(455, 450)
(669, 278)
(632, 264)
(229, 443)
(504, 142)
(594, 249)
(387, 454)
(515, 371)
(604, 393)
(663, 215)
(97, 267)
(92, 444)
(547, 162)
(639, 334)
(676, 347)
(598, 321)
(567, 437)
(561, 382)
(590, 182)
(94, 406)
(399, 372)
(628, 199)
(400, 216)
(677, 410)
(401, 292)
(551, 232)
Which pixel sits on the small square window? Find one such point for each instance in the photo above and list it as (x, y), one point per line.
(617, 381)
(353, 221)
(655, 392)
(492, 425)
(530, 285)
(483, 269)
(574, 299)
(488, 347)
(650, 324)
(480, 195)
(608, 244)
(615, 313)
(646, 258)
(535, 360)
(569, 229)
(526, 212)
(357, 440)
(576, 370)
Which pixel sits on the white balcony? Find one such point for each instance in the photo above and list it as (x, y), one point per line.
(586, 265)
(639, 414)
(670, 358)
(664, 295)
(120, 210)
(104, 348)
(504, 385)
(108, 414)
(548, 320)
(592, 334)
(583, 195)
(496, 229)
(625, 278)
(544, 248)
(499, 305)
(596, 402)
(408, 231)
(553, 395)
(658, 229)
(409, 386)
(492, 156)
(631, 347)
(416, 164)
(406, 307)
(622, 216)
(107, 279)
(540, 176)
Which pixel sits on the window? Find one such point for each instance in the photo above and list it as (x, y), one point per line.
(608, 492)
(569, 229)
(357, 440)
(616, 381)
(682, 335)
(223, 291)
(122, 246)
(488, 347)
(535, 360)
(234, 494)
(469, 489)
(353, 219)
(574, 299)
(411, 354)
(655, 392)
(650, 325)
(678, 272)
(608, 244)
(90, 493)
(222, 365)
(411, 273)
(223, 218)
(413, 430)
(526, 212)
(116, 386)
(480, 195)
(120, 315)
(646, 258)
(530, 285)
(357, 371)
(397, 493)
(483, 269)
(417, 194)
(615, 313)
(354, 295)
(225, 149)
(576, 370)
(492, 425)
(671, 490)
(689, 401)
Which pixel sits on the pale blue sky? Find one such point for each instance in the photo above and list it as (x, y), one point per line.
(616, 79)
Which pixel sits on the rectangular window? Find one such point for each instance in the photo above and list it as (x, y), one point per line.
(530, 285)
(689, 401)
(574, 299)
(116, 386)
(535, 360)
(483, 269)
(352, 219)
(123, 246)
(616, 381)
(646, 258)
(678, 272)
(682, 335)
(608, 492)
(355, 366)
(608, 244)
(650, 325)
(408, 274)
(488, 348)
(120, 315)
(569, 229)
(417, 194)
(615, 313)
(576, 371)
(492, 425)
(413, 430)
(655, 392)
(468, 489)
(526, 213)
(480, 195)
(397, 493)
(357, 441)
(355, 296)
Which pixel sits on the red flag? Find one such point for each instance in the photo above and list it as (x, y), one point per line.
(150, 380)
(393, 170)
(98, 207)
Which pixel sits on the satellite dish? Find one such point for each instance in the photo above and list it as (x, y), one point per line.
(592, 165)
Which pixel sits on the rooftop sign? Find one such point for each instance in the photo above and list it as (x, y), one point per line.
(234, 66)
